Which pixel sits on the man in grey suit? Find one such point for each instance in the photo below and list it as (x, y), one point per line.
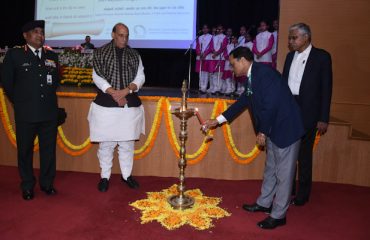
(277, 121)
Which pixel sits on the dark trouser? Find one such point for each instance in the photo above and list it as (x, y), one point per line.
(304, 166)
(26, 133)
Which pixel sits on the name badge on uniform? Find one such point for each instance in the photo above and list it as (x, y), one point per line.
(49, 79)
(50, 63)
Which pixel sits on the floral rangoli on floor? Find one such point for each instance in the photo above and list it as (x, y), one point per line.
(156, 208)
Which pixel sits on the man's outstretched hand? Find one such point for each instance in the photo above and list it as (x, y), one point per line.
(208, 124)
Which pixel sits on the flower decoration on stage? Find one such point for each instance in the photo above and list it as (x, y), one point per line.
(76, 76)
(76, 67)
(156, 208)
(149, 143)
(203, 149)
(238, 157)
(162, 109)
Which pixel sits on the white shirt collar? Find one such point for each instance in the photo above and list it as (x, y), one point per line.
(34, 49)
(307, 50)
(250, 70)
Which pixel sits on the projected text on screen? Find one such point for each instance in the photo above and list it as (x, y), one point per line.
(152, 24)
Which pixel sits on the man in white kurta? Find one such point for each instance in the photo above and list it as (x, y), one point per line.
(116, 116)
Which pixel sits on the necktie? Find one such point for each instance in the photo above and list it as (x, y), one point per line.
(249, 85)
(37, 54)
(249, 94)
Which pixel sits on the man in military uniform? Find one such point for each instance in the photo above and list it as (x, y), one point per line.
(30, 78)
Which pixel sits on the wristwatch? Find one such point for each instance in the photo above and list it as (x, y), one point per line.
(129, 89)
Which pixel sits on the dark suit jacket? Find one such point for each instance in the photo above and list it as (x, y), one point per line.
(316, 87)
(275, 112)
(25, 81)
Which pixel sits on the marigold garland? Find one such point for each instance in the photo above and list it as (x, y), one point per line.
(76, 75)
(203, 149)
(156, 208)
(200, 100)
(72, 153)
(75, 94)
(5, 119)
(230, 144)
(149, 143)
(12, 136)
(317, 139)
(161, 108)
(69, 144)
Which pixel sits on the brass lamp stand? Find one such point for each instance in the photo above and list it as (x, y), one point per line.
(181, 201)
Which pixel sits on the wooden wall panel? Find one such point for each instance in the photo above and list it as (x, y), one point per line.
(336, 159)
(356, 114)
(342, 28)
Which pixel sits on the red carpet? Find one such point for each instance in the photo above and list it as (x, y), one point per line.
(79, 211)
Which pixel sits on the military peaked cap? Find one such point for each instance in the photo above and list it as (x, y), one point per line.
(32, 25)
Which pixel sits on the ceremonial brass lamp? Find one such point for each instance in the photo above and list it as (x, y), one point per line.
(181, 201)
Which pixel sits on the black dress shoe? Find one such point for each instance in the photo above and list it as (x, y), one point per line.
(27, 194)
(271, 223)
(103, 185)
(298, 202)
(49, 190)
(256, 208)
(131, 182)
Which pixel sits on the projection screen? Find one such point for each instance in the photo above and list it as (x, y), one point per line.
(152, 23)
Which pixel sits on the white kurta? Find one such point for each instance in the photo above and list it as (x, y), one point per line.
(262, 42)
(116, 123)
